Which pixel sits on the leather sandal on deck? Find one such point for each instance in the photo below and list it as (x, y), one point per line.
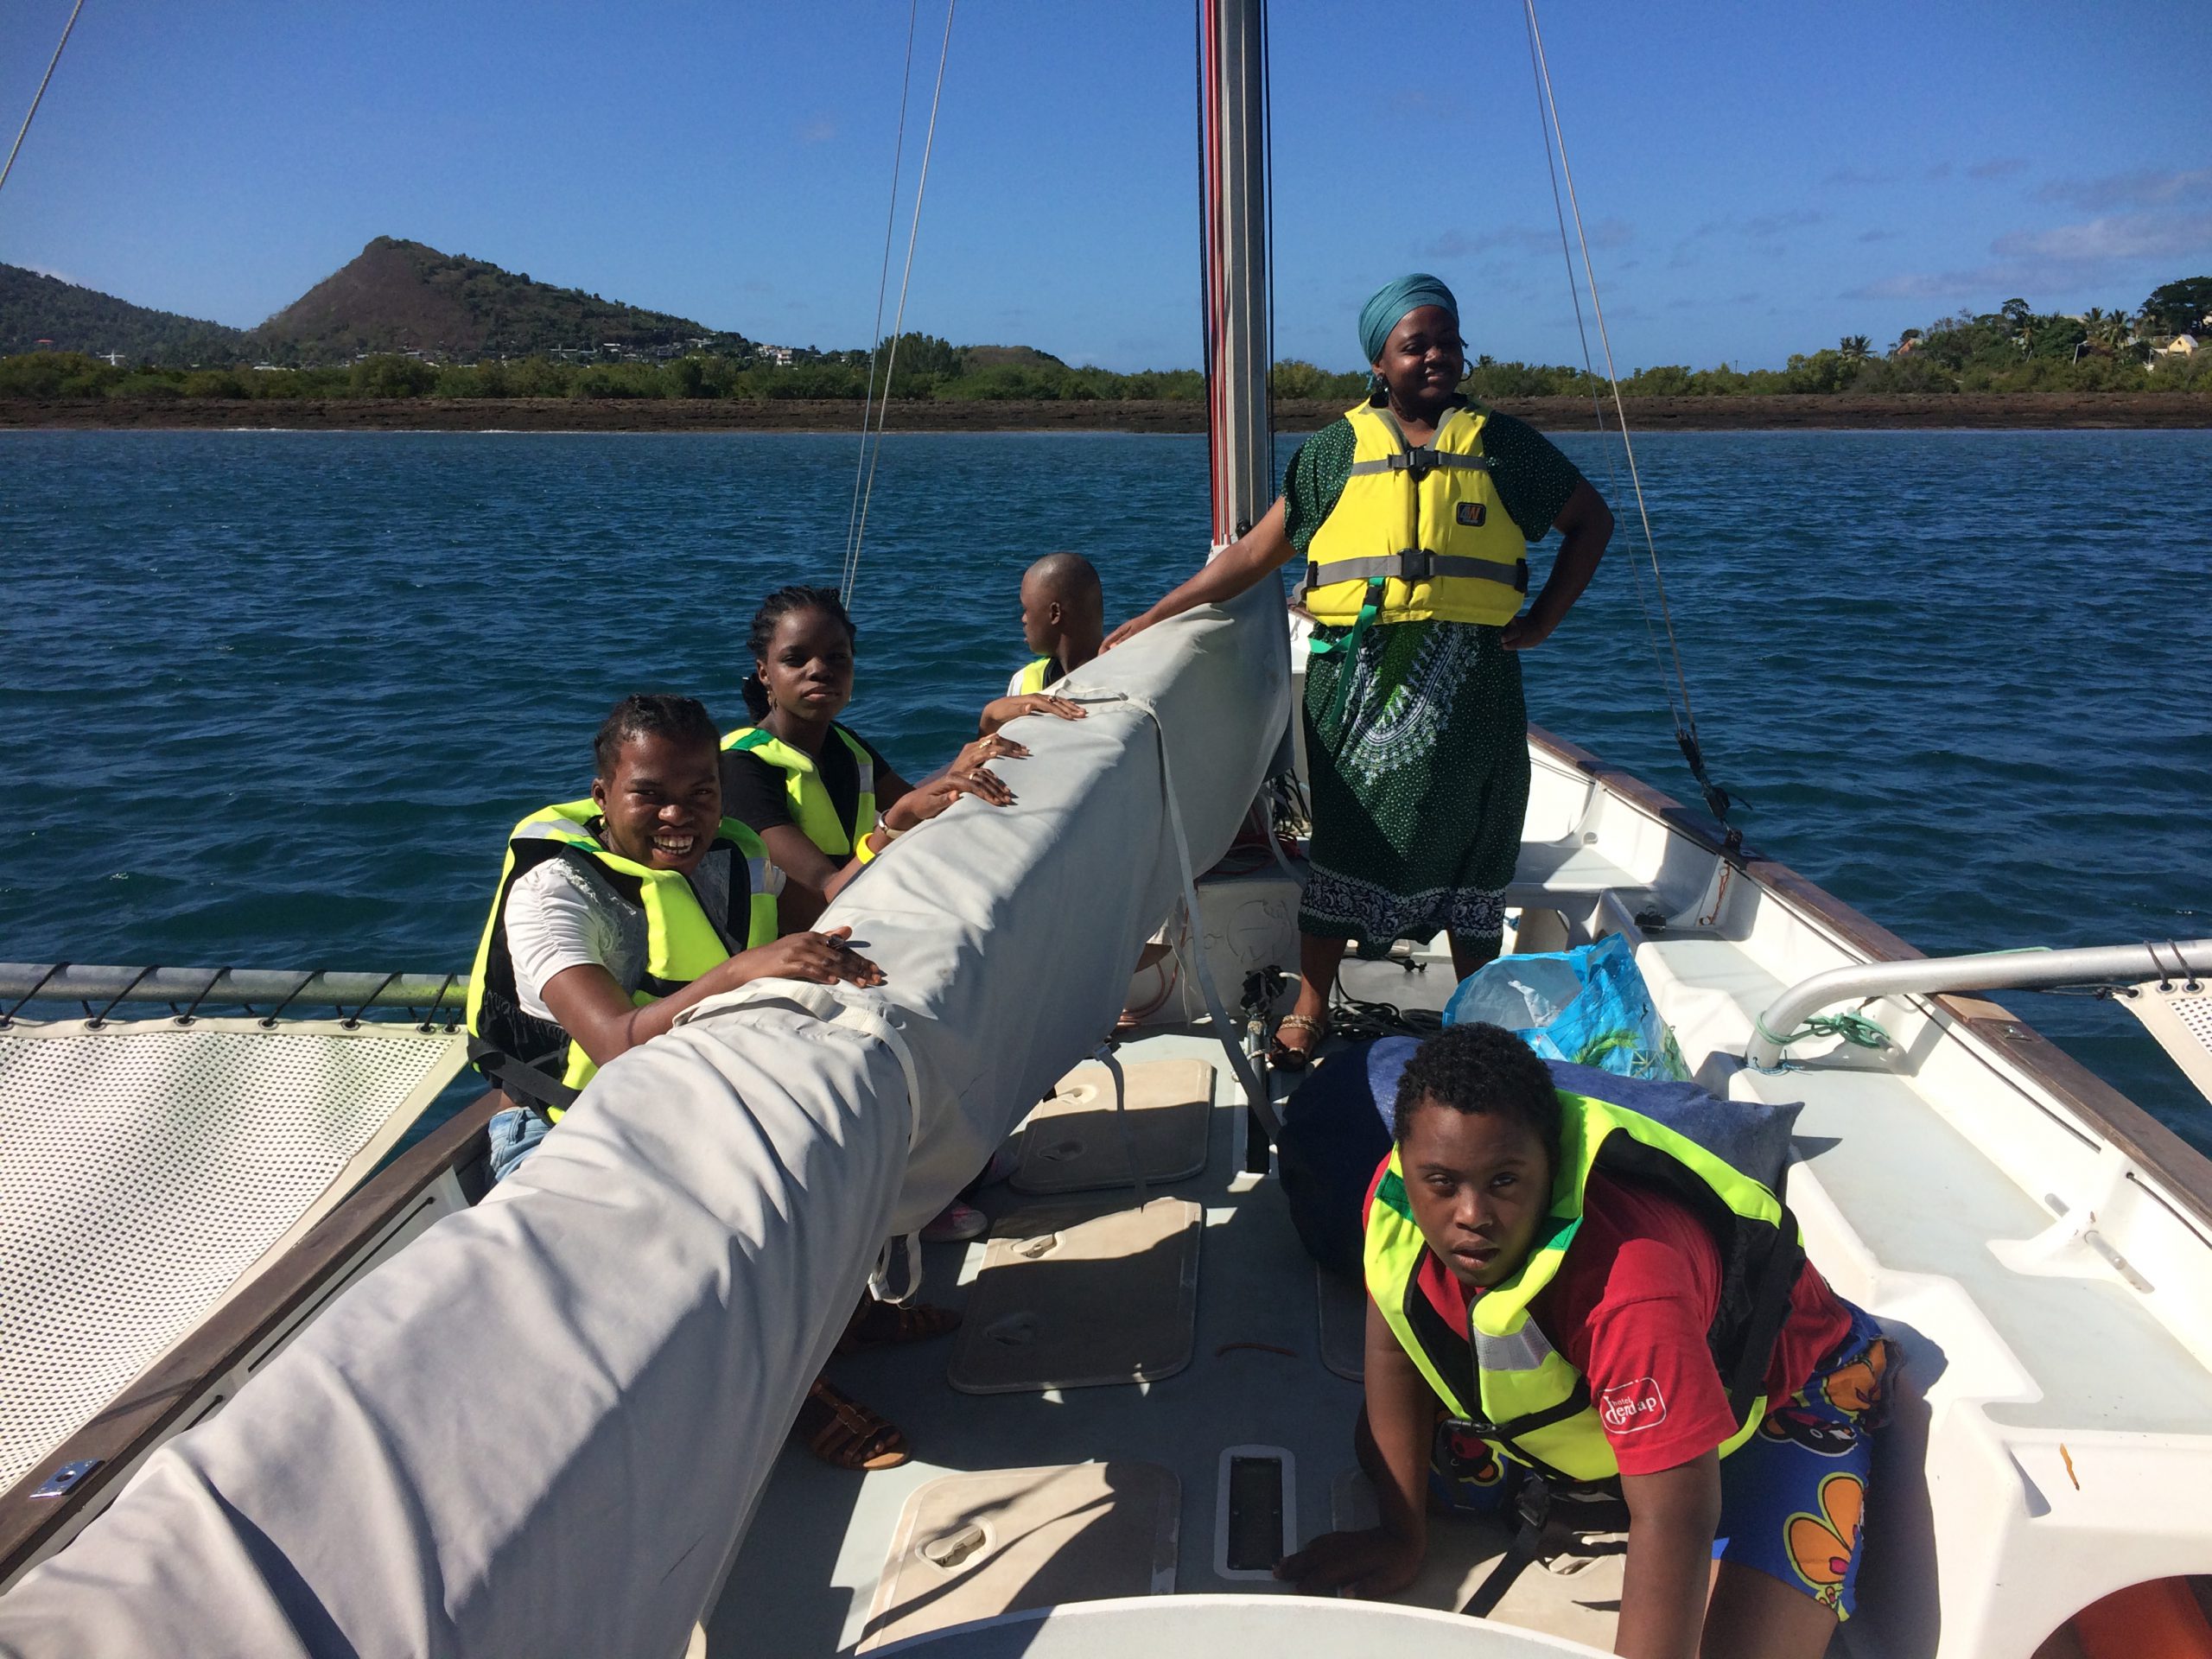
(845, 1434)
(1281, 1055)
(881, 1324)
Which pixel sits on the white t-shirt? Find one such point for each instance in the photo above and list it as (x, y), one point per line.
(561, 915)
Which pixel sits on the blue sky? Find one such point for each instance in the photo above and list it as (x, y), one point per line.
(1759, 178)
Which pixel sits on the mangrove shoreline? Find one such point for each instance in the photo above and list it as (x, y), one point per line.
(1838, 410)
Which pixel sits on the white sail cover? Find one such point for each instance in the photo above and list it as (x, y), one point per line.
(541, 1429)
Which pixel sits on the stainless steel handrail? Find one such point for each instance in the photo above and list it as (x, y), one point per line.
(2122, 964)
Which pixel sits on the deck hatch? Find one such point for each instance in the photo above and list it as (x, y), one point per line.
(1071, 1296)
(1075, 1141)
(976, 1545)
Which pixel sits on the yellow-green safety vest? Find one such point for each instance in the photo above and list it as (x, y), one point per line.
(1501, 1373)
(811, 804)
(1039, 675)
(682, 940)
(1417, 533)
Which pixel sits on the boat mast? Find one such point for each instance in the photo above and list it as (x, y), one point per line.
(1234, 220)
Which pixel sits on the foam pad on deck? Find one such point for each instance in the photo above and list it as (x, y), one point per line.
(1070, 1297)
(970, 1546)
(1077, 1143)
(1575, 1594)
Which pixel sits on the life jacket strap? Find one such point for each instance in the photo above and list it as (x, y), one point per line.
(522, 1083)
(1418, 564)
(1772, 1296)
(1552, 1518)
(1371, 606)
(1419, 463)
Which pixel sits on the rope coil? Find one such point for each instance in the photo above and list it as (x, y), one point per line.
(1856, 1029)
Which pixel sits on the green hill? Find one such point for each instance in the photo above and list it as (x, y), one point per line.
(40, 313)
(1008, 357)
(404, 296)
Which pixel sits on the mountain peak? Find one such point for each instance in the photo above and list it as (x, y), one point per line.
(400, 295)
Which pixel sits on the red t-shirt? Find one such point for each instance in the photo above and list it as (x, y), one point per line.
(1630, 1307)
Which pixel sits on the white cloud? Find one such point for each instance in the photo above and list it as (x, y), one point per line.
(1915, 285)
(2145, 187)
(2113, 235)
(2060, 257)
(1606, 236)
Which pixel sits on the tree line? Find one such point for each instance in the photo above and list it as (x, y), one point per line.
(2013, 348)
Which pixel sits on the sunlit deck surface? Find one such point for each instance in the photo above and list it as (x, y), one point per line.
(809, 1567)
(2039, 1248)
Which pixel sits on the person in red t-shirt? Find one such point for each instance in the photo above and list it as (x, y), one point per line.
(1478, 1129)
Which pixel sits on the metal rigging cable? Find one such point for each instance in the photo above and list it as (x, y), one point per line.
(36, 97)
(1717, 799)
(883, 286)
(905, 276)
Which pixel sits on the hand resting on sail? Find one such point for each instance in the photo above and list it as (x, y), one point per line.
(821, 798)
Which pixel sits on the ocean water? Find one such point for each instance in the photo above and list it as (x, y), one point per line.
(272, 698)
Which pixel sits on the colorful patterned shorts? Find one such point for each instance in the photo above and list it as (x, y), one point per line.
(1793, 1495)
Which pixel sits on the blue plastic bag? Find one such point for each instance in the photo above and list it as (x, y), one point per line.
(1586, 1007)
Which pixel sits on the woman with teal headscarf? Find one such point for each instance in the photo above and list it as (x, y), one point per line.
(1416, 737)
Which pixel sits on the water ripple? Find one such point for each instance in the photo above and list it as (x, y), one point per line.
(273, 698)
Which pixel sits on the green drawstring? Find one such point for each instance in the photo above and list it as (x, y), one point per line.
(1349, 646)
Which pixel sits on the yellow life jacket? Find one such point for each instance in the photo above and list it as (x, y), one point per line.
(1417, 533)
(683, 941)
(1039, 675)
(1501, 1374)
(815, 813)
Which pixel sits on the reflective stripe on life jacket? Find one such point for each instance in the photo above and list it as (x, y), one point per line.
(1417, 533)
(811, 807)
(1503, 1375)
(683, 939)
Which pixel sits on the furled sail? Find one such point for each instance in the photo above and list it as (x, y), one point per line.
(542, 1429)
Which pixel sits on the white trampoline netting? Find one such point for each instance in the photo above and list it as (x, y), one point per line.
(145, 1166)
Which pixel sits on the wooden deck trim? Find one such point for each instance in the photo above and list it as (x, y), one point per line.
(2180, 1168)
(151, 1404)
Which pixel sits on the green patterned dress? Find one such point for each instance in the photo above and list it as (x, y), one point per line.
(1420, 770)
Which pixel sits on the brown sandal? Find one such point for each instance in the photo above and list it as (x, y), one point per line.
(845, 1434)
(880, 1324)
(1281, 1055)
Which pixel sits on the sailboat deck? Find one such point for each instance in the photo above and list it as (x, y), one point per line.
(820, 1541)
(1914, 1166)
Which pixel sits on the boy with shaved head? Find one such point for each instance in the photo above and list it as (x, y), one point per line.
(1063, 619)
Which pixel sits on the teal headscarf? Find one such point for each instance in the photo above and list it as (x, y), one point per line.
(1391, 302)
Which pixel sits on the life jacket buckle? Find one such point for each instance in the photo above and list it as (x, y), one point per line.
(1416, 565)
(1419, 462)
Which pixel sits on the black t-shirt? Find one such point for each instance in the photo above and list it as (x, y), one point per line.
(758, 794)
